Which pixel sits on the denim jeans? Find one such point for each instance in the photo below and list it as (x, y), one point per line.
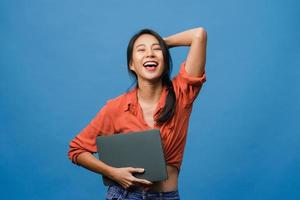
(119, 193)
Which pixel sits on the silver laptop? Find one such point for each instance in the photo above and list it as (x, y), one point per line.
(141, 149)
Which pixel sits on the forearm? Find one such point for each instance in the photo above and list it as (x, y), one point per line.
(88, 161)
(186, 38)
(196, 39)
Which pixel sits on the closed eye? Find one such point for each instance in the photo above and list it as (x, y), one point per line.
(156, 47)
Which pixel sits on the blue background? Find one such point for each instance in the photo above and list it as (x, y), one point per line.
(61, 60)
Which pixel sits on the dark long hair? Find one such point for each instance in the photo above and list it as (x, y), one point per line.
(169, 108)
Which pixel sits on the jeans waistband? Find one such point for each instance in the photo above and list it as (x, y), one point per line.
(141, 192)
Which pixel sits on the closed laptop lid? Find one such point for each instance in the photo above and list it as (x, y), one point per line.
(142, 149)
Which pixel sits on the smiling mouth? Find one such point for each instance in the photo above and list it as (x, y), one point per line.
(150, 64)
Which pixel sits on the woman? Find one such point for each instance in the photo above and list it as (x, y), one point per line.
(155, 102)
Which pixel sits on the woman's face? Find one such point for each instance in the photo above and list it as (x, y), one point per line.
(147, 58)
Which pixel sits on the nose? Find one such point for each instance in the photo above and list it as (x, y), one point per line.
(150, 53)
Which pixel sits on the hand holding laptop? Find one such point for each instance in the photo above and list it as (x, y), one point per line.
(124, 176)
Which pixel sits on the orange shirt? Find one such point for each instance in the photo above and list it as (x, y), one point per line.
(124, 114)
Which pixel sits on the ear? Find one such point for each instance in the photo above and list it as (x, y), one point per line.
(131, 67)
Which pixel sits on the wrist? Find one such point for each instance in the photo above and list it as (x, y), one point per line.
(110, 172)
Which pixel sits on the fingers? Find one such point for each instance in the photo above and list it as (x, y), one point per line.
(137, 180)
(126, 180)
(142, 181)
(126, 184)
(136, 170)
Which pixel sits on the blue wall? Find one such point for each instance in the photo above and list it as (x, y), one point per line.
(61, 60)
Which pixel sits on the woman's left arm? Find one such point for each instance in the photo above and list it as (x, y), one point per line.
(195, 38)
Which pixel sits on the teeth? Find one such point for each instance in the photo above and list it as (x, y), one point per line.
(150, 63)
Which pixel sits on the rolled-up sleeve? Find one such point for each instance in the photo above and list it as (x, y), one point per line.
(85, 141)
(186, 86)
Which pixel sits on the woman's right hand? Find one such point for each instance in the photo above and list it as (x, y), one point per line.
(124, 177)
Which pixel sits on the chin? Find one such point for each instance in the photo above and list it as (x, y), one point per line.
(153, 79)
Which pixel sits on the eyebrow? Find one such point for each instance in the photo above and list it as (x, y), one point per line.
(144, 45)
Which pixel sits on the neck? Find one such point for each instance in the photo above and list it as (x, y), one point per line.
(149, 92)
